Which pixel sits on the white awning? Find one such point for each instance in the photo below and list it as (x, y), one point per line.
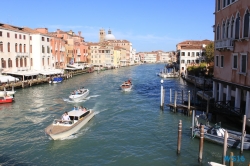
(4, 78)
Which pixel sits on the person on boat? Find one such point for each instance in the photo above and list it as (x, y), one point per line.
(80, 108)
(84, 109)
(75, 108)
(65, 116)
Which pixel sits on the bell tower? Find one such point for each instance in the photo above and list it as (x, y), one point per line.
(102, 35)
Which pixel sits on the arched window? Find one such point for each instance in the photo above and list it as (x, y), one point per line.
(3, 63)
(218, 33)
(16, 47)
(227, 29)
(16, 62)
(9, 63)
(24, 48)
(8, 47)
(20, 47)
(21, 62)
(223, 30)
(31, 62)
(232, 28)
(246, 24)
(237, 27)
(25, 62)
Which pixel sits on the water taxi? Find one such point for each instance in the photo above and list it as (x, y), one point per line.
(60, 129)
(126, 86)
(79, 94)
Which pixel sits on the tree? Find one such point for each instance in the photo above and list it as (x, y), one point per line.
(209, 52)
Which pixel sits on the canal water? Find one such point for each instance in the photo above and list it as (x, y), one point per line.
(128, 129)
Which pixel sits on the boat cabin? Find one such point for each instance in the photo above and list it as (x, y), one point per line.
(74, 116)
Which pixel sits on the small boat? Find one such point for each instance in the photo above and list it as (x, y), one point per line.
(6, 99)
(216, 134)
(57, 80)
(8, 93)
(126, 86)
(79, 94)
(60, 129)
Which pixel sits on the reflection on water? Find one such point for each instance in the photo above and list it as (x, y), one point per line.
(128, 128)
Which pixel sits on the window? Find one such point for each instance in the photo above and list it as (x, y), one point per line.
(182, 61)
(1, 33)
(197, 53)
(217, 60)
(24, 37)
(246, 24)
(30, 48)
(232, 28)
(224, 3)
(218, 5)
(218, 33)
(188, 61)
(16, 62)
(20, 36)
(42, 38)
(3, 63)
(20, 47)
(15, 36)
(222, 61)
(31, 62)
(192, 54)
(182, 53)
(228, 2)
(30, 37)
(25, 62)
(243, 66)
(227, 29)
(16, 47)
(223, 30)
(8, 34)
(1, 46)
(24, 48)
(42, 49)
(237, 27)
(188, 53)
(8, 47)
(47, 39)
(235, 61)
(48, 49)
(9, 62)
(21, 62)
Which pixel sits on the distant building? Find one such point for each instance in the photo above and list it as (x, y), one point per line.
(190, 52)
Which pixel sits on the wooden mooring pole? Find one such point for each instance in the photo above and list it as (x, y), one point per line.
(243, 134)
(193, 123)
(224, 148)
(179, 137)
(201, 143)
(231, 159)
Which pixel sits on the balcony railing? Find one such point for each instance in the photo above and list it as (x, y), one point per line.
(224, 44)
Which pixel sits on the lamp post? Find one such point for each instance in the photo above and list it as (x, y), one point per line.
(162, 94)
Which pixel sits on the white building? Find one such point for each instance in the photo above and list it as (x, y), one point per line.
(150, 57)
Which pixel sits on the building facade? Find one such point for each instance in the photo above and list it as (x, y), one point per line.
(232, 46)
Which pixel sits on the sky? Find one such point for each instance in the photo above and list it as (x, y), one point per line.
(149, 25)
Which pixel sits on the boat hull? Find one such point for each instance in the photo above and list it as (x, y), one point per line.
(69, 131)
(6, 100)
(127, 89)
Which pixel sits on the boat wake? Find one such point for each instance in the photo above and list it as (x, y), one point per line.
(79, 101)
(35, 119)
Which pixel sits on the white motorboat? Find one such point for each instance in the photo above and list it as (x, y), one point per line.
(60, 129)
(79, 94)
(127, 86)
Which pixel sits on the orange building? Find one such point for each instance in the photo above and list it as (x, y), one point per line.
(231, 84)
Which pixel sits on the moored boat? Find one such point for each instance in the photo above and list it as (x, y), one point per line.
(79, 94)
(60, 129)
(216, 134)
(6, 99)
(57, 80)
(127, 85)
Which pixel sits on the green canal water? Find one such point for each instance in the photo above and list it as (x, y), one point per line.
(128, 129)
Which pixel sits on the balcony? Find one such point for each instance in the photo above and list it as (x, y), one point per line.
(224, 44)
(22, 54)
